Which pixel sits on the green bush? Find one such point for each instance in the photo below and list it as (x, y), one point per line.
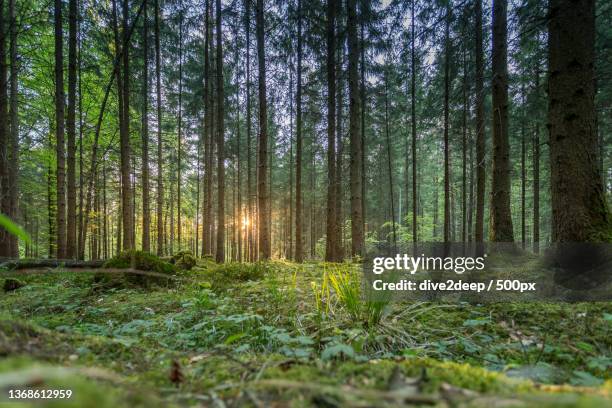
(11, 284)
(142, 261)
(184, 260)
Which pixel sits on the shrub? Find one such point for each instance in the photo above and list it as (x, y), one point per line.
(11, 284)
(140, 260)
(183, 260)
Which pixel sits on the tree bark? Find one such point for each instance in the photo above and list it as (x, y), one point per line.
(71, 218)
(536, 169)
(179, 133)
(415, 232)
(480, 129)
(14, 122)
(299, 210)
(331, 229)
(389, 158)
(160, 182)
(447, 198)
(59, 131)
(357, 222)
(579, 209)
(5, 239)
(501, 217)
(125, 150)
(220, 254)
(146, 212)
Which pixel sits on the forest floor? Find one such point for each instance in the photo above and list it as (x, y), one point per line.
(278, 334)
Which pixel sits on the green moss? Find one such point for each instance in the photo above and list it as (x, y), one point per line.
(184, 260)
(140, 260)
(11, 284)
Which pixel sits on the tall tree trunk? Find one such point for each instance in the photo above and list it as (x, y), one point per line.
(50, 213)
(14, 139)
(289, 252)
(357, 223)
(464, 207)
(415, 231)
(331, 239)
(220, 254)
(206, 216)
(179, 133)
(59, 130)
(250, 184)
(160, 182)
(523, 174)
(447, 198)
(146, 212)
(579, 209)
(81, 230)
(299, 210)
(389, 158)
(362, 115)
(339, 142)
(480, 129)
(501, 217)
(71, 239)
(536, 169)
(126, 197)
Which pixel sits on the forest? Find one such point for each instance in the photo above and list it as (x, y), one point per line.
(190, 190)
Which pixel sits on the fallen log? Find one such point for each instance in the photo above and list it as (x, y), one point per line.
(16, 264)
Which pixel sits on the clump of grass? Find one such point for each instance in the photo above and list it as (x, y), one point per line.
(226, 275)
(347, 287)
(184, 260)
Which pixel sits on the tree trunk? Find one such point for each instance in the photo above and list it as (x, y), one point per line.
(71, 239)
(357, 222)
(14, 136)
(59, 131)
(464, 193)
(250, 185)
(501, 217)
(160, 182)
(447, 198)
(179, 133)
(299, 210)
(220, 254)
(389, 158)
(146, 212)
(331, 239)
(207, 196)
(415, 232)
(523, 175)
(125, 152)
(480, 129)
(536, 170)
(579, 209)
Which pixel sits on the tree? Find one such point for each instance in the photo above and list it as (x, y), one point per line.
(262, 156)
(59, 133)
(71, 218)
(299, 210)
(146, 212)
(160, 181)
(579, 209)
(357, 226)
(480, 128)
(331, 241)
(413, 122)
(125, 150)
(220, 254)
(447, 198)
(13, 179)
(501, 217)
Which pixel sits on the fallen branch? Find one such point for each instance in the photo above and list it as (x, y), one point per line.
(18, 264)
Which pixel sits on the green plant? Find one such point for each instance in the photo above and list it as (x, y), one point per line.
(347, 288)
(141, 261)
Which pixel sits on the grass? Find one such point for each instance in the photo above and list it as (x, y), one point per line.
(250, 334)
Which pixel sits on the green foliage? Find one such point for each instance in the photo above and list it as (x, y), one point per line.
(13, 229)
(11, 284)
(229, 274)
(184, 260)
(141, 261)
